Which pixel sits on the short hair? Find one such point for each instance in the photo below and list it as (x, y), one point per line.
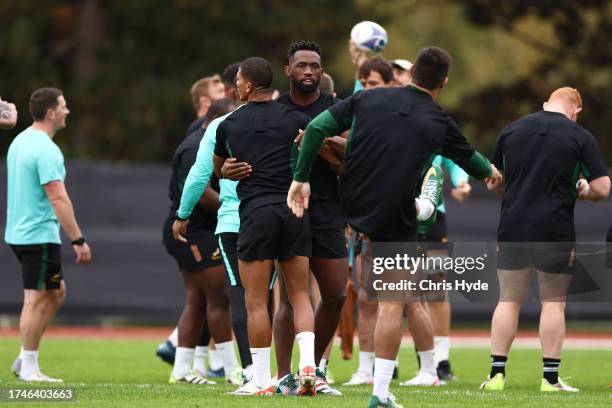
(42, 100)
(219, 108)
(258, 71)
(303, 46)
(431, 67)
(567, 94)
(200, 89)
(379, 65)
(327, 83)
(229, 75)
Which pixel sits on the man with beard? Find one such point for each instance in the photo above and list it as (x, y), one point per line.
(329, 254)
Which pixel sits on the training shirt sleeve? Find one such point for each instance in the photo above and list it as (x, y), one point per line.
(50, 163)
(457, 148)
(592, 164)
(456, 174)
(330, 122)
(200, 173)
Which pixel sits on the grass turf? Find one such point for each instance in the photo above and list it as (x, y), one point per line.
(118, 373)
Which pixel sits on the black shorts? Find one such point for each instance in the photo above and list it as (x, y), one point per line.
(228, 244)
(329, 243)
(41, 265)
(195, 256)
(436, 236)
(273, 232)
(550, 257)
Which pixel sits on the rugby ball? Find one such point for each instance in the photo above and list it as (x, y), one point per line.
(369, 36)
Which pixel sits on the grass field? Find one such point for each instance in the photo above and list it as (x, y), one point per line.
(125, 373)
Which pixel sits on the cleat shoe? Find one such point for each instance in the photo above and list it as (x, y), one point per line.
(288, 385)
(322, 386)
(360, 378)
(191, 379)
(307, 378)
(37, 376)
(16, 367)
(375, 402)
(558, 387)
(444, 372)
(494, 384)
(166, 351)
(251, 389)
(431, 189)
(235, 377)
(422, 380)
(215, 373)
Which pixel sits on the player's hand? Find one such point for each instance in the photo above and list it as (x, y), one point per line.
(298, 197)
(298, 138)
(461, 192)
(234, 170)
(357, 56)
(83, 254)
(583, 189)
(179, 230)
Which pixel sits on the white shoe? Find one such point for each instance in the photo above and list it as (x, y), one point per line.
(422, 380)
(190, 379)
(235, 377)
(37, 376)
(251, 389)
(16, 367)
(360, 378)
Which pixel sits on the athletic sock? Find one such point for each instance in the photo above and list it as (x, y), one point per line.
(173, 337)
(498, 365)
(323, 364)
(427, 362)
(551, 369)
(239, 324)
(199, 359)
(366, 363)
(228, 356)
(214, 360)
(441, 348)
(261, 367)
(29, 362)
(183, 361)
(383, 373)
(305, 341)
(248, 372)
(426, 208)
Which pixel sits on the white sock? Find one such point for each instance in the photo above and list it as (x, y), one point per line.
(173, 337)
(228, 356)
(248, 372)
(427, 362)
(199, 359)
(366, 362)
(383, 374)
(183, 361)
(261, 367)
(323, 364)
(214, 360)
(305, 341)
(441, 348)
(29, 362)
(426, 208)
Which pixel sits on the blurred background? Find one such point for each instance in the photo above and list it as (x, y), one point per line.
(126, 68)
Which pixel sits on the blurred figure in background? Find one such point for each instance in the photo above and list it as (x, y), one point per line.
(8, 115)
(204, 92)
(401, 72)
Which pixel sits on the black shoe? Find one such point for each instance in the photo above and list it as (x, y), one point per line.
(444, 371)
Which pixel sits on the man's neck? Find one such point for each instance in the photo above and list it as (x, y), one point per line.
(260, 95)
(557, 109)
(303, 99)
(434, 94)
(44, 127)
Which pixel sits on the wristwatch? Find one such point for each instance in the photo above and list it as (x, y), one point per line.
(79, 241)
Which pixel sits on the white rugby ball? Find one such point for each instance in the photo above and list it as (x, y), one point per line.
(369, 36)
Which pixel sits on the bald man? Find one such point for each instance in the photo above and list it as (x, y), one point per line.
(548, 161)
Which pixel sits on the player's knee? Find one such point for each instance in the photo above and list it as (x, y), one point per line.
(335, 300)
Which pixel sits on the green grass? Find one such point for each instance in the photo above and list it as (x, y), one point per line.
(125, 373)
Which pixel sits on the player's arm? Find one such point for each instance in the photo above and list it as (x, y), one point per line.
(196, 182)
(459, 179)
(8, 115)
(209, 200)
(64, 211)
(594, 190)
(596, 184)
